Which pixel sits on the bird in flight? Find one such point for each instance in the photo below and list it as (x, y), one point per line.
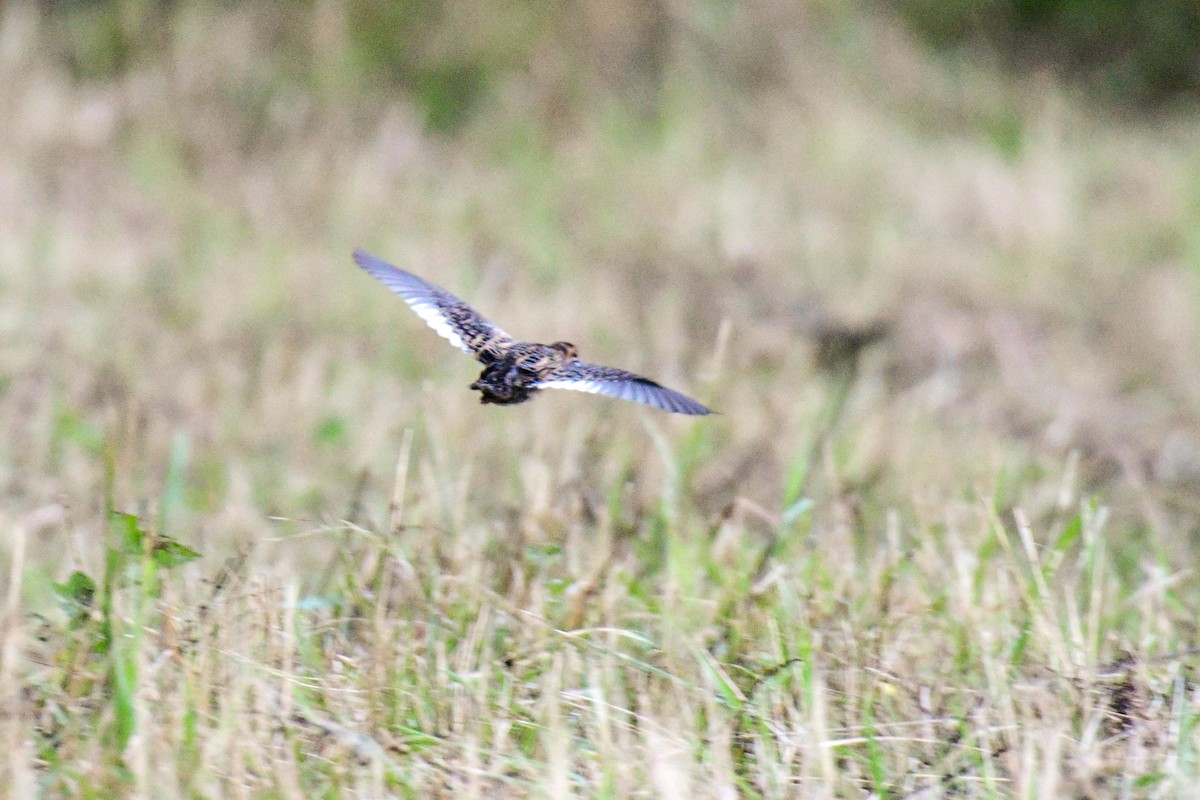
(515, 371)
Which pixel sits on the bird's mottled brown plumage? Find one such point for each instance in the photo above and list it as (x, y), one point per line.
(514, 371)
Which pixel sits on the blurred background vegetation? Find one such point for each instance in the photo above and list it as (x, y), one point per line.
(799, 165)
(1001, 196)
(1139, 52)
(1136, 52)
(938, 264)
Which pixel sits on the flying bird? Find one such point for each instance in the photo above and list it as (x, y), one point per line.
(513, 371)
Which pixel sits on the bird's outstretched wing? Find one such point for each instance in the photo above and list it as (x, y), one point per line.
(579, 376)
(452, 318)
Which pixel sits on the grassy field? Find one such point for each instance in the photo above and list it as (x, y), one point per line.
(259, 540)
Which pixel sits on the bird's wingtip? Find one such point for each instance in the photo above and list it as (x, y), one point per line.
(370, 263)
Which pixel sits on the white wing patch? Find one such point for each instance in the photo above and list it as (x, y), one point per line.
(591, 387)
(434, 317)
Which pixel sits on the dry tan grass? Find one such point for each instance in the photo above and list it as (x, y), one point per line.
(958, 565)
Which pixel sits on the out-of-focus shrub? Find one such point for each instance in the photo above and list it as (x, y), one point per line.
(100, 39)
(404, 43)
(1139, 51)
(446, 55)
